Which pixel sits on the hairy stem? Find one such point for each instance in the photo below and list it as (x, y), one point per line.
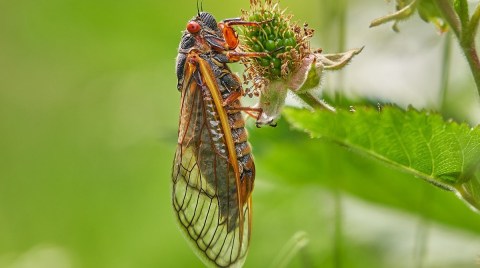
(342, 36)
(422, 230)
(338, 252)
(445, 74)
(465, 36)
(450, 16)
(338, 231)
(473, 24)
(472, 58)
(315, 102)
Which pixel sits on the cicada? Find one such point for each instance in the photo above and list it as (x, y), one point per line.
(213, 169)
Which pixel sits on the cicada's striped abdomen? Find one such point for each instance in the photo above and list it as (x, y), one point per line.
(243, 150)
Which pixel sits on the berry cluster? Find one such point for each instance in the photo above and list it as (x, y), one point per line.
(286, 43)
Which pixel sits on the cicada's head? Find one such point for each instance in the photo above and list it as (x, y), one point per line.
(203, 20)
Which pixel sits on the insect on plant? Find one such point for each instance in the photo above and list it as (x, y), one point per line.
(213, 169)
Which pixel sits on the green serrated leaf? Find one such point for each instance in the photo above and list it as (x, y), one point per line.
(445, 154)
(291, 159)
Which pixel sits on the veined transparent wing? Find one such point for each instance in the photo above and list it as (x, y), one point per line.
(205, 194)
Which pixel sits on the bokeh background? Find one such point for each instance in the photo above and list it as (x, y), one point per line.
(88, 124)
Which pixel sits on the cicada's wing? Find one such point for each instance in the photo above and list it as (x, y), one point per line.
(205, 193)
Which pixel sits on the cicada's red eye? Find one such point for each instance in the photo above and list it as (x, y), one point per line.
(193, 27)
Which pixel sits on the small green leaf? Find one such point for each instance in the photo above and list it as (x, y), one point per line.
(427, 10)
(446, 154)
(337, 61)
(403, 11)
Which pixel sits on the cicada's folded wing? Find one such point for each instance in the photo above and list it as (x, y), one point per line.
(206, 196)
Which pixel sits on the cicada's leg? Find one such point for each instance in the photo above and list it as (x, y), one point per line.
(254, 112)
(235, 95)
(240, 22)
(235, 56)
(230, 35)
(250, 111)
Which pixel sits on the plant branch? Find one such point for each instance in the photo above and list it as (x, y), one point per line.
(445, 74)
(338, 231)
(314, 102)
(472, 57)
(473, 24)
(422, 230)
(450, 16)
(465, 36)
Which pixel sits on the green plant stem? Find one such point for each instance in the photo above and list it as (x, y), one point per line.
(338, 231)
(465, 36)
(292, 248)
(342, 36)
(421, 237)
(461, 8)
(473, 24)
(311, 100)
(450, 16)
(422, 231)
(468, 192)
(314, 102)
(445, 74)
(472, 58)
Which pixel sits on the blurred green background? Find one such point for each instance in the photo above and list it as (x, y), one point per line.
(88, 123)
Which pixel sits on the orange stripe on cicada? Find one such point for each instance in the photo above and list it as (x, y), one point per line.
(213, 170)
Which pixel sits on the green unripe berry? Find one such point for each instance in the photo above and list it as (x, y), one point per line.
(264, 62)
(290, 42)
(279, 43)
(270, 45)
(288, 34)
(276, 62)
(256, 47)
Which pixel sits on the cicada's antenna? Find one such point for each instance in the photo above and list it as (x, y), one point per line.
(201, 5)
(198, 10)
